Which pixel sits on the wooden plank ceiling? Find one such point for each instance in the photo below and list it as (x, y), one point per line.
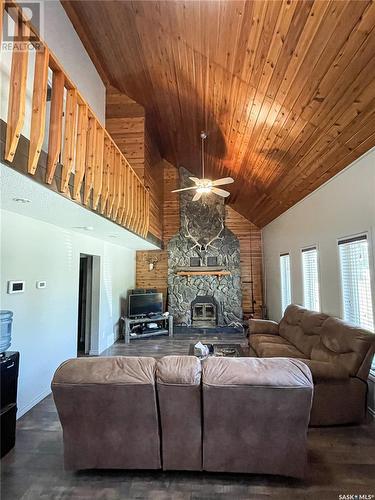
(285, 89)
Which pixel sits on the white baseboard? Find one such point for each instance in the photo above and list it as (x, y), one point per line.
(35, 401)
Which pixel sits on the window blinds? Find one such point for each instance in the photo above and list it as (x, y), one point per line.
(355, 282)
(310, 278)
(286, 298)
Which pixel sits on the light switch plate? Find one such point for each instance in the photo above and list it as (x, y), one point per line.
(41, 284)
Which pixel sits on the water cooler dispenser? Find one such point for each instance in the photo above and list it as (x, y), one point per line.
(9, 365)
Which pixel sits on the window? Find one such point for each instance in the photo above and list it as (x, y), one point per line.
(286, 297)
(355, 282)
(310, 278)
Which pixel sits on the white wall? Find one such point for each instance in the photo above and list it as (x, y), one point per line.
(65, 43)
(45, 320)
(344, 206)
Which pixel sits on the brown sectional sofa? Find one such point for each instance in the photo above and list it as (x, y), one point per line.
(235, 414)
(338, 354)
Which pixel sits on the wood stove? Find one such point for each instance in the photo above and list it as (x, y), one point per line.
(204, 312)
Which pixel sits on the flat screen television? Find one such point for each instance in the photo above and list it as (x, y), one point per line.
(143, 304)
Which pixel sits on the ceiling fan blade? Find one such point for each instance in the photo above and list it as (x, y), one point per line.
(220, 192)
(184, 189)
(221, 182)
(195, 179)
(197, 196)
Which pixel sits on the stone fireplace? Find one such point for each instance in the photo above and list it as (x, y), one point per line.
(204, 278)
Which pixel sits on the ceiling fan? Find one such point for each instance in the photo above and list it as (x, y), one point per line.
(205, 186)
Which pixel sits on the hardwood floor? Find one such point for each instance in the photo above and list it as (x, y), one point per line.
(341, 459)
(164, 346)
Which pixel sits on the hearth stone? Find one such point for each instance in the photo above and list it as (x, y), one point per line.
(203, 235)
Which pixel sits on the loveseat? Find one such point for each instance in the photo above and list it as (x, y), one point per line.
(176, 413)
(338, 354)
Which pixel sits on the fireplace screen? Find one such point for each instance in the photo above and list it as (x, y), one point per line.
(204, 315)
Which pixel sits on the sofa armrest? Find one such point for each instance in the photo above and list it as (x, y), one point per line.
(263, 326)
(323, 370)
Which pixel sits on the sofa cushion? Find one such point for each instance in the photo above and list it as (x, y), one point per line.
(178, 381)
(255, 414)
(108, 411)
(302, 328)
(279, 350)
(325, 371)
(263, 326)
(255, 371)
(117, 370)
(255, 341)
(343, 344)
(179, 370)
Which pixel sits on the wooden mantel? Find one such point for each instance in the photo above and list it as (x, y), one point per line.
(203, 272)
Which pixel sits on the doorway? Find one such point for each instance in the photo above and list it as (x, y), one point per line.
(84, 304)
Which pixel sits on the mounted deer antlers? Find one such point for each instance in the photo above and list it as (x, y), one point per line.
(199, 243)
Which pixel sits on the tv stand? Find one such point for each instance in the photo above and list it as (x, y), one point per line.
(165, 327)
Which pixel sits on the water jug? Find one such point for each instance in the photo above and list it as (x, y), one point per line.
(6, 318)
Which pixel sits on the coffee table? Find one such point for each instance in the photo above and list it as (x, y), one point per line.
(222, 350)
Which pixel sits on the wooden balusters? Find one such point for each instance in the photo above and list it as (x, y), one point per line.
(106, 173)
(17, 98)
(98, 175)
(87, 150)
(147, 217)
(146, 198)
(132, 200)
(122, 191)
(140, 208)
(55, 124)
(125, 217)
(69, 138)
(112, 180)
(81, 142)
(90, 159)
(38, 112)
(116, 186)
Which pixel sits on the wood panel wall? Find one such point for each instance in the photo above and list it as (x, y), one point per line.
(250, 246)
(158, 277)
(153, 179)
(126, 121)
(171, 205)
(250, 240)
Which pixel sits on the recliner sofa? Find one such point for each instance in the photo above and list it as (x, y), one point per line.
(226, 414)
(338, 354)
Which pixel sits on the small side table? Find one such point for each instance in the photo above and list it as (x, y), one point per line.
(165, 327)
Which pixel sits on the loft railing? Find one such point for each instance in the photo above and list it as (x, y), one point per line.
(103, 180)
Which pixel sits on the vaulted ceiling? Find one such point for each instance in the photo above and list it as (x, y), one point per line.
(285, 89)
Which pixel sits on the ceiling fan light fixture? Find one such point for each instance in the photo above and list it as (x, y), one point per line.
(204, 185)
(204, 189)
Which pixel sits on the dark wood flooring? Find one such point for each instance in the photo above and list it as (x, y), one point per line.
(341, 459)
